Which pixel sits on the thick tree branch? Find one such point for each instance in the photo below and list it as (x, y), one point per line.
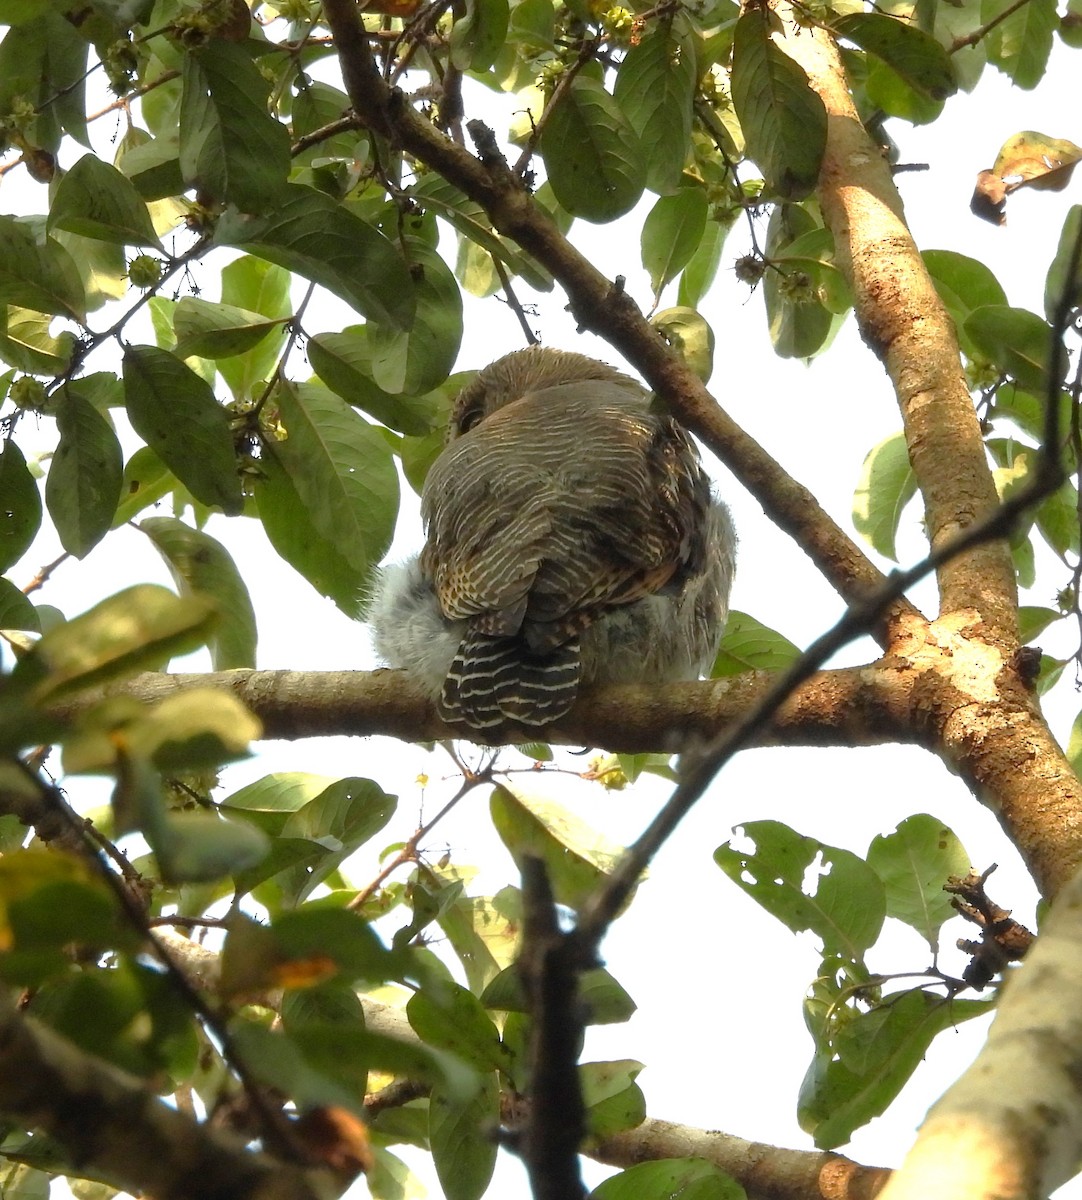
(857, 706)
(906, 325)
(601, 306)
(944, 689)
(1011, 1127)
(765, 1172)
(112, 1124)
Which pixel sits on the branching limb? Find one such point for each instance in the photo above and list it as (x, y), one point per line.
(906, 325)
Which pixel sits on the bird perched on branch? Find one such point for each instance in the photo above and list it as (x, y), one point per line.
(572, 539)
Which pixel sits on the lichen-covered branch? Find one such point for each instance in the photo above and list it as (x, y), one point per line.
(906, 325)
(1011, 1127)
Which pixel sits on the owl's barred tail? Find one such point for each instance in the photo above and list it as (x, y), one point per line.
(494, 681)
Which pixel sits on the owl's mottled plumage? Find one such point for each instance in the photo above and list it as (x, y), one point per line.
(572, 538)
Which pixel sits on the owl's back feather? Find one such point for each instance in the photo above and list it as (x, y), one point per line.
(563, 512)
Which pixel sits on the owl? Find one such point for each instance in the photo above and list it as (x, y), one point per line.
(572, 539)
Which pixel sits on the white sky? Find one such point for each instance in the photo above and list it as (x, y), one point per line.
(719, 985)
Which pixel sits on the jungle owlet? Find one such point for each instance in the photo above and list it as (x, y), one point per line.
(572, 539)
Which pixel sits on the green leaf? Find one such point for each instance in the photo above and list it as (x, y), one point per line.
(257, 286)
(342, 818)
(602, 1080)
(451, 1018)
(318, 104)
(328, 931)
(277, 1061)
(478, 928)
(843, 903)
(43, 76)
(614, 1101)
(146, 480)
(344, 362)
(54, 909)
(886, 486)
(1060, 287)
(479, 36)
(83, 485)
(138, 629)
(674, 1178)
(20, 506)
(1020, 43)
(267, 802)
(16, 611)
(897, 97)
(315, 1018)
(200, 563)
(1018, 342)
(95, 200)
(174, 411)
(1057, 520)
(671, 234)
(577, 857)
(593, 156)
(1033, 621)
(309, 233)
(532, 24)
(193, 730)
(880, 1050)
(913, 54)
(17, 12)
(799, 323)
(783, 120)
(344, 475)
(690, 336)
(1074, 746)
(327, 566)
(963, 284)
(460, 1137)
(702, 267)
(435, 194)
(418, 359)
(153, 166)
(914, 863)
(102, 267)
(749, 645)
(230, 146)
(655, 88)
(209, 330)
(38, 275)
(28, 345)
(604, 1001)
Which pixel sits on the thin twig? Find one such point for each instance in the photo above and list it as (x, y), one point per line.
(587, 51)
(971, 39)
(42, 577)
(409, 851)
(513, 301)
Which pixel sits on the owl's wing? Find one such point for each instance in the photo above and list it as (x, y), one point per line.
(557, 506)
